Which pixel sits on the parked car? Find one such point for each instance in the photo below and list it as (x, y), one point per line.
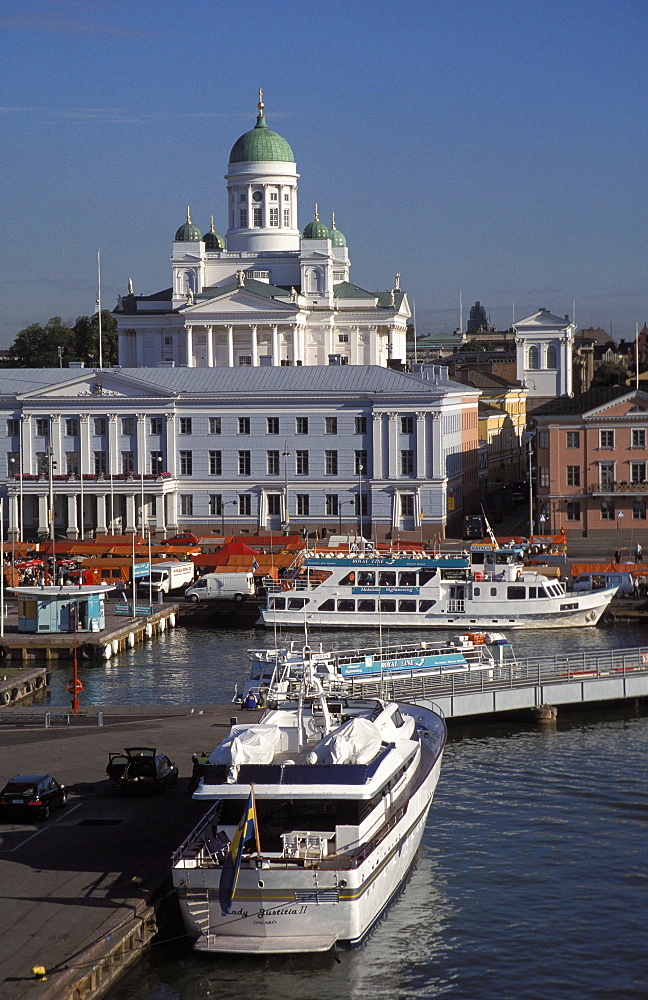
(33, 795)
(138, 768)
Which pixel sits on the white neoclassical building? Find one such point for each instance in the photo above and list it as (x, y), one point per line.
(267, 293)
(544, 345)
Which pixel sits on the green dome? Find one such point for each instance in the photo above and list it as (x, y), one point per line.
(316, 230)
(188, 233)
(259, 144)
(338, 239)
(212, 240)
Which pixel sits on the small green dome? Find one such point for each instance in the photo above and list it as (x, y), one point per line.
(261, 143)
(316, 230)
(188, 233)
(212, 240)
(338, 239)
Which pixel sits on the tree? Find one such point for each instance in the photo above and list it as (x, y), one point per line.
(610, 373)
(471, 345)
(38, 346)
(85, 338)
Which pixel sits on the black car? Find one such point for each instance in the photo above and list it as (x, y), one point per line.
(138, 768)
(33, 795)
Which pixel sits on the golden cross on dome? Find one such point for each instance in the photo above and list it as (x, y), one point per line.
(260, 105)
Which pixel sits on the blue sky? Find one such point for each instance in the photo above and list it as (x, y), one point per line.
(493, 148)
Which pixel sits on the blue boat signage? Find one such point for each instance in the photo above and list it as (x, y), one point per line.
(141, 569)
(385, 590)
(377, 666)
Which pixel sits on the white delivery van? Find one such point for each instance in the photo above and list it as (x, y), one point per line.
(599, 581)
(166, 576)
(222, 587)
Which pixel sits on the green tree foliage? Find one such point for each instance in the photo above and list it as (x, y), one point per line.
(472, 345)
(610, 373)
(45, 346)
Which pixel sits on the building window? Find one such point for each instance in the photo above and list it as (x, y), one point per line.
(71, 427)
(156, 463)
(215, 504)
(168, 341)
(245, 504)
(607, 510)
(244, 463)
(365, 504)
(72, 463)
(533, 358)
(243, 218)
(215, 463)
(274, 216)
(215, 425)
(156, 425)
(407, 425)
(543, 439)
(639, 509)
(185, 425)
(13, 428)
(274, 196)
(272, 425)
(606, 475)
(128, 426)
(100, 464)
(303, 504)
(244, 425)
(186, 463)
(287, 218)
(407, 462)
(186, 504)
(637, 473)
(332, 505)
(638, 437)
(343, 338)
(552, 357)
(245, 360)
(13, 463)
(543, 475)
(330, 425)
(127, 461)
(360, 425)
(301, 425)
(573, 439)
(360, 462)
(573, 511)
(606, 439)
(272, 463)
(301, 463)
(274, 504)
(406, 505)
(573, 475)
(42, 427)
(257, 218)
(100, 426)
(331, 463)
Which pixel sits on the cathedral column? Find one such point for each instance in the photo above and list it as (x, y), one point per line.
(14, 530)
(437, 449)
(160, 519)
(295, 343)
(26, 438)
(420, 446)
(210, 346)
(377, 421)
(276, 360)
(43, 525)
(130, 513)
(191, 362)
(254, 345)
(171, 444)
(172, 510)
(230, 346)
(101, 515)
(73, 527)
(393, 445)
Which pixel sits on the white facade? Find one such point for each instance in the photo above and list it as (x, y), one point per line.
(544, 345)
(267, 294)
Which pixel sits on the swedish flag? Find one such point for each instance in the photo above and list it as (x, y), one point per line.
(246, 829)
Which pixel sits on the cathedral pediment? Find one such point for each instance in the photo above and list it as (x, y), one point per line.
(98, 384)
(239, 303)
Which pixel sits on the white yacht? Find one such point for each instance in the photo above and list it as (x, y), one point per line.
(318, 812)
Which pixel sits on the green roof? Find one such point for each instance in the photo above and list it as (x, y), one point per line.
(338, 239)
(316, 230)
(188, 233)
(259, 144)
(212, 239)
(345, 290)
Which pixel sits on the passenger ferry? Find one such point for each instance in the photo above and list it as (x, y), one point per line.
(318, 812)
(487, 588)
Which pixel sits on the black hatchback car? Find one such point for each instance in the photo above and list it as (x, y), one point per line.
(140, 768)
(33, 795)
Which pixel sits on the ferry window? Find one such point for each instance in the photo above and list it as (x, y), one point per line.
(493, 591)
(533, 591)
(327, 605)
(366, 579)
(105, 573)
(516, 593)
(295, 603)
(348, 580)
(569, 607)
(477, 558)
(407, 579)
(425, 575)
(278, 603)
(426, 605)
(542, 592)
(407, 605)
(366, 605)
(386, 579)
(398, 719)
(346, 605)
(388, 605)
(476, 591)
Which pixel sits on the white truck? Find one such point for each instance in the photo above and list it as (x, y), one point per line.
(222, 587)
(166, 576)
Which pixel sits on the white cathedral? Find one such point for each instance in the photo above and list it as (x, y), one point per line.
(266, 294)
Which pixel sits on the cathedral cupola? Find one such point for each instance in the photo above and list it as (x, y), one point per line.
(337, 238)
(212, 240)
(316, 230)
(188, 233)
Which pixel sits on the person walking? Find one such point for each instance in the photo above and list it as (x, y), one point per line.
(638, 552)
(617, 555)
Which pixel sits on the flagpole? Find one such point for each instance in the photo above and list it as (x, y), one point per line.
(99, 308)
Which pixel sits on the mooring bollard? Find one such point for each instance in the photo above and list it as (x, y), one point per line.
(48, 719)
(100, 718)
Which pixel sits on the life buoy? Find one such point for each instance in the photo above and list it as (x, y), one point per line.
(74, 687)
(478, 576)
(518, 575)
(288, 585)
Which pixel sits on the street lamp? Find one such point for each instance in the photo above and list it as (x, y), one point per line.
(340, 506)
(12, 502)
(51, 465)
(360, 471)
(223, 504)
(286, 521)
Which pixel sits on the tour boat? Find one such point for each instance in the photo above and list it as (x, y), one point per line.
(318, 812)
(486, 588)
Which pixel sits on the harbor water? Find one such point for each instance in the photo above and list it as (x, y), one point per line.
(532, 877)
